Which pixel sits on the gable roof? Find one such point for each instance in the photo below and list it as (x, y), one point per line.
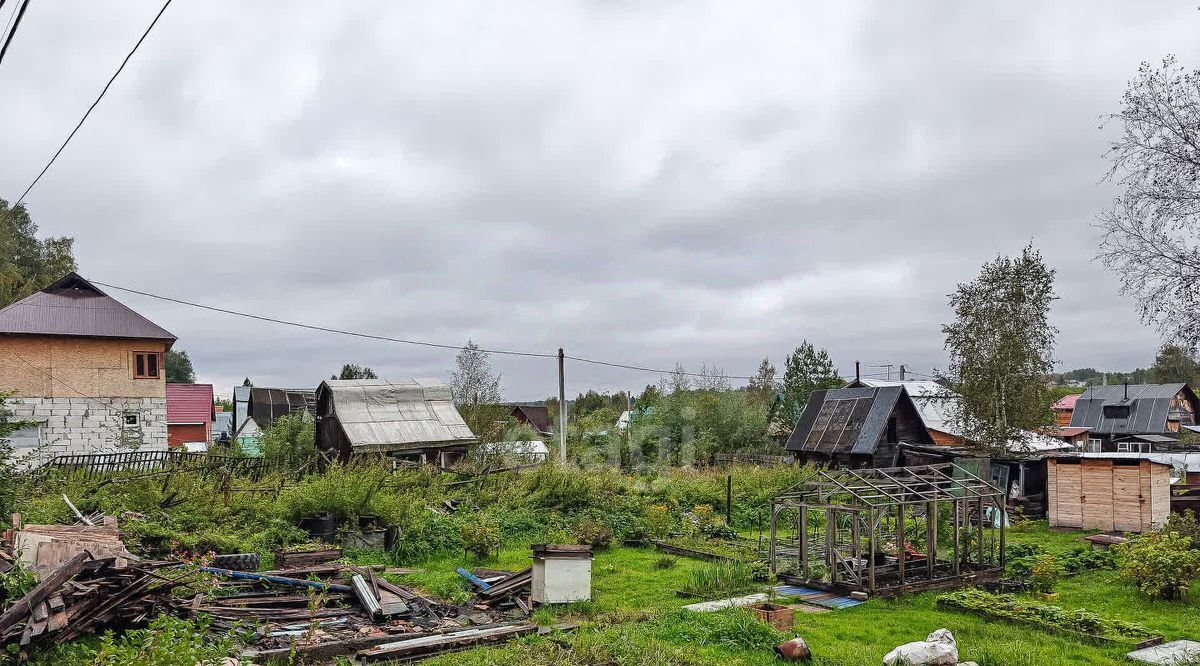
(1149, 408)
(73, 306)
(849, 420)
(268, 404)
(1066, 403)
(935, 403)
(189, 403)
(537, 416)
(383, 415)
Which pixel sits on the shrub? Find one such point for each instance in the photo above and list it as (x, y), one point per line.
(659, 521)
(1161, 564)
(346, 492)
(665, 562)
(1010, 607)
(290, 442)
(168, 641)
(1185, 524)
(1045, 573)
(592, 532)
(480, 536)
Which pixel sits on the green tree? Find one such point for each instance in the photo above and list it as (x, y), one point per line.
(807, 369)
(762, 387)
(179, 368)
(26, 263)
(355, 371)
(1001, 348)
(1175, 364)
(475, 388)
(290, 441)
(9, 478)
(246, 382)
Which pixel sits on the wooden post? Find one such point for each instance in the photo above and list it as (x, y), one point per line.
(873, 548)
(900, 551)
(980, 503)
(772, 556)
(802, 551)
(1002, 517)
(957, 523)
(831, 543)
(931, 521)
(854, 550)
(728, 498)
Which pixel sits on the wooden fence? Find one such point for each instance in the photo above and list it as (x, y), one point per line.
(751, 459)
(95, 465)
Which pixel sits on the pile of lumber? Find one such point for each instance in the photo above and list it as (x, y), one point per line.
(506, 590)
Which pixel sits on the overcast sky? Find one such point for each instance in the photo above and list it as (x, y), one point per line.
(702, 182)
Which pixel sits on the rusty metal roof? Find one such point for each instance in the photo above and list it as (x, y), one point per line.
(383, 415)
(75, 307)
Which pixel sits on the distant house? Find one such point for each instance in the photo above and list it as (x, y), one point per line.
(189, 414)
(1135, 417)
(857, 427)
(1063, 408)
(267, 404)
(87, 369)
(413, 420)
(537, 416)
(222, 426)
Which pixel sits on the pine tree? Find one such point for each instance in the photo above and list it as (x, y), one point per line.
(807, 369)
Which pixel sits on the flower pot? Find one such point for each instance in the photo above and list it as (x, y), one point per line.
(775, 615)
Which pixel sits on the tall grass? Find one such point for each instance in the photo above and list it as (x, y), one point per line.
(719, 579)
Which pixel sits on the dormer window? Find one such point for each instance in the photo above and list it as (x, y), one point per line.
(1116, 411)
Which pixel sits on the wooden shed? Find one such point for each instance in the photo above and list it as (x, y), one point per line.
(1110, 494)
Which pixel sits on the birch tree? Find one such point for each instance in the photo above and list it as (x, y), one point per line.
(1001, 348)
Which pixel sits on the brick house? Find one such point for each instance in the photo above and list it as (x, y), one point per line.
(190, 414)
(87, 369)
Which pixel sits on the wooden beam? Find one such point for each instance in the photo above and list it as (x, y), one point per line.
(803, 550)
(42, 591)
(956, 523)
(931, 525)
(774, 516)
(900, 551)
(873, 546)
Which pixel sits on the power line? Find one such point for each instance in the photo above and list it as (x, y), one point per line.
(8, 40)
(87, 113)
(313, 327)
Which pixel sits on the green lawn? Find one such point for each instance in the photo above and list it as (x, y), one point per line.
(634, 619)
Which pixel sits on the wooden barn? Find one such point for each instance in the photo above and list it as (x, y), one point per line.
(1108, 493)
(857, 427)
(414, 420)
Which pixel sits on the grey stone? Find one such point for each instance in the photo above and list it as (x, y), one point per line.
(1168, 654)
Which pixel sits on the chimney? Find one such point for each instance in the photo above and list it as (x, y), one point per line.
(901, 372)
(1126, 390)
(857, 372)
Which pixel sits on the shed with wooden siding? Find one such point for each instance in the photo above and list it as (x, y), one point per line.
(1109, 494)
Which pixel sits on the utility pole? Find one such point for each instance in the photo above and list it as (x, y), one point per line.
(562, 410)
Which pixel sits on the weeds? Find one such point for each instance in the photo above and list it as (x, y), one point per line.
(722, 578)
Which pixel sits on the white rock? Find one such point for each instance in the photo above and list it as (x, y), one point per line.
(938, 649)
(1168, 654)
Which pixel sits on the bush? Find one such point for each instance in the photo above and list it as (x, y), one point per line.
(659, 521)
(346, 492)
(592, 532)
(1009, 607)
(1045, 573)
(1184, 524)
(480, 536)
(1161, 564)
(290, 442)
(168, 641)
(665, 562)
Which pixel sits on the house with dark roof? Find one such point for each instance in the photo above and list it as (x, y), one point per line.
(1135, 417)
(857, 427)
(537, 416)
(411, 420)
(86, 368)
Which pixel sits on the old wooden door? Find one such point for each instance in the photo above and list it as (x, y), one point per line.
(1127, 498)
(1068, 487)
(1097, 500)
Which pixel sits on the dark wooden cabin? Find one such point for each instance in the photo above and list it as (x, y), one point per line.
(857, 427)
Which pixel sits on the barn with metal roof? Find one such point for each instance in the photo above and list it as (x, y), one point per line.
(414, 419)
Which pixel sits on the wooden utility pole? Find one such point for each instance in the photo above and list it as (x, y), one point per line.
(562, 410)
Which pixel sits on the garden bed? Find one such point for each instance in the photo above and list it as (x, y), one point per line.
(1051, 618)
(707, 549)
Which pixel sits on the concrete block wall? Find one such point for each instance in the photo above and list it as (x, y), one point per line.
(93, 425)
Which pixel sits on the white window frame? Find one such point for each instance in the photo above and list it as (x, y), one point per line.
(137, 419)
(1093, 445)
(1128, 447)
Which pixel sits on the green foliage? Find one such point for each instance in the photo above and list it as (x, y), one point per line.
(1001, 348)
(592, 532)
(26, 263)
(168, 641)
(1175, 364)
(659, 521)
(290, 442)
(9, 478)
(1045, 573)
(1184, 524)
(1161, 564)
(15, 582)
(665, 562)
(1047, 616)
(355, 371)
(480, 536)
(179, 367)
(807, 369)
(346, 492)
(721, 579)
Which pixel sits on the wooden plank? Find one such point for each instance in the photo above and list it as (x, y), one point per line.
(1070, 492)
(1097, 494)
(1052, 492)
(42, 591)
(1160, 495)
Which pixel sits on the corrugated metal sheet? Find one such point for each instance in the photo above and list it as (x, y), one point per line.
(1067, 402)
(1149, 405)
(222, 423)
(189, 403)
(74, 306)
(380, 414)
